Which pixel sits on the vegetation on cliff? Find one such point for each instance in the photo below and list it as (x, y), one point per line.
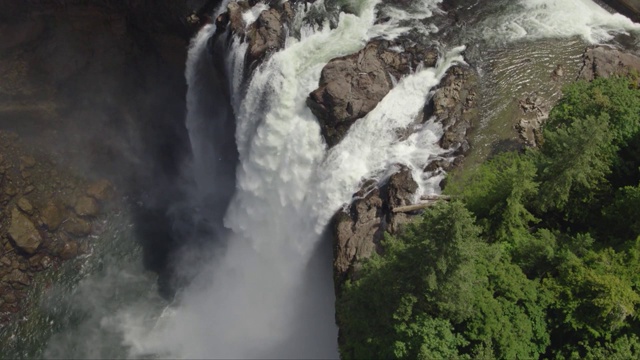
(539, 257)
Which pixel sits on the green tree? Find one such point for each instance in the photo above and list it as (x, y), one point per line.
(440, 291)
(594, 293)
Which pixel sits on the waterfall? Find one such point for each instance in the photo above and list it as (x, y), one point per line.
(288, 184)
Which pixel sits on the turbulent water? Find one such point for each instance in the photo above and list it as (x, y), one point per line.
(265, 294)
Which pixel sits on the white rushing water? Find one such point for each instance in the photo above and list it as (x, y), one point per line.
(537, 19)
(288, 185)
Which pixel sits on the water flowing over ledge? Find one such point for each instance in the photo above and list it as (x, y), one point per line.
(284, 185)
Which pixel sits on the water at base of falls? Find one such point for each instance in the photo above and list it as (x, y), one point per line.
(268, 292)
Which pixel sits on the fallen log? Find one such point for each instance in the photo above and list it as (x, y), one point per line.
(435, 197)
(410, 208)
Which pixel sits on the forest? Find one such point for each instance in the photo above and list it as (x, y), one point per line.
(536, 256)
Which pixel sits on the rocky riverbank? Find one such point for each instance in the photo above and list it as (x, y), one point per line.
(90, 90)
(47, 216)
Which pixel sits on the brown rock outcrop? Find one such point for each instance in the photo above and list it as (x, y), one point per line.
(25, 206)
(535, 112)
(52, 216)
(358, 230)
(264, 36)
(23, 232)
(351, 86)
(86, 206)
(454, 106)
(77, 227)
(101, 190)
(18, 277)
(604, 61)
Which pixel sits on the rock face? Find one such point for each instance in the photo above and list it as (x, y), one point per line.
(264, 36)
(535, 112)
(23, 232)
(352, 86)
(603, 61)
(597, 62)
(454, 106)
(359, 229)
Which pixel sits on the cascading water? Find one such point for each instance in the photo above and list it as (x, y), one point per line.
(283, 185)
(288, 185)
(287, 189)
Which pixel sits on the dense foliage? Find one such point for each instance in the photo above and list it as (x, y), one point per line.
(538, 258)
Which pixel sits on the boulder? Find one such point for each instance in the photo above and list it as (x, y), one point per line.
(233, 17)
(18, 277)
(265, 35)
(101, 190)
(77, 227)
(604, 61)
(69, 250)
(86, 206)
(25, 206)
(27, 162)
(535, 111)
(52, 216)
(351, 86)
(23, 232)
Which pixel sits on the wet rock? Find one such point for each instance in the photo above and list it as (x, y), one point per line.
(359, 229)
(23, 232)
(357, 233)
(454, 106)
(77, 227)
(52, 216)
(558, 72)
(101, 190)
(18, 277)
(10, 190)
(29, 189)
(265, 35)
(40, 262)
(27, 162)
(235, 9)
(5, 261)
(10, 298)
(351, 86)
(25, 206)
(604, 61)
(69, 250)
(86, 206)
(535, 111)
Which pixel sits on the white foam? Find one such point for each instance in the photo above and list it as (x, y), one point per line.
(536, 19)
(250, 16)
(371, 146)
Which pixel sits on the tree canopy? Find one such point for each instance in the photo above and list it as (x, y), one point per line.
(539, 257)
